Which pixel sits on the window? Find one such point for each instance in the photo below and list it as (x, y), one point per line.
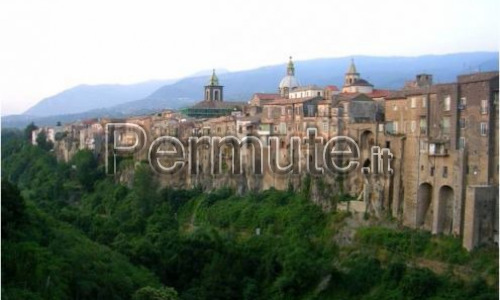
(310, 110)
(461, 143)
(484, 128)
(445, 125)
(413, 102)
(283, 110)
(395, 126)
(325, 126)
(423, 125)
(394, 107)
(432, 171)
(432, 149)
(380, 127)
(283, 128)
(424, 101)
(462, 103)
(447, 103)
(462, 123)
(423, 146)
(413, 126)
(445, 172)
(484, 107)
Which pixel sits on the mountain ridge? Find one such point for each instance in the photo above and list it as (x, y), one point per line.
(389, 72)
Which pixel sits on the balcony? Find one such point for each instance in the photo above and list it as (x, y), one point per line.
(438, 148)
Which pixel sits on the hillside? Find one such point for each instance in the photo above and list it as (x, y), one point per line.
(86, 236)
(87, 97)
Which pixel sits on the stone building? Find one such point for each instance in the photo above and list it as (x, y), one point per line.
(446, 137)
(443, 138)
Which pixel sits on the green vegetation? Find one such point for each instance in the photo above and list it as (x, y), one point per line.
(69, 231)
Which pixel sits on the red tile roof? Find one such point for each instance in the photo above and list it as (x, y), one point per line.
(379, 93)
(332, 88)
(267, 96)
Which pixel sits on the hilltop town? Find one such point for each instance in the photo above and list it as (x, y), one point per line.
(443, 137)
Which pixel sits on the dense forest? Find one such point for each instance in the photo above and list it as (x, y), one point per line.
(71, 232)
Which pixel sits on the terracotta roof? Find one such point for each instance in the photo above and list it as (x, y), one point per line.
(219, 120)
(89, 122)
(481, 76)
(379, 93)
(349, 96)
(266, 96)
(290, 101)
(396, 95)
(218, 104)
(254, 119)
(332, 88)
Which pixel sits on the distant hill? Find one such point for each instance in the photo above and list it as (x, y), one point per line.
(383, 72)
(87, 97)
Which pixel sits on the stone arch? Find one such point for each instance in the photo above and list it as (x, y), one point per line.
(366, 140)
(367, 163)
(445, 210)
(424, 205)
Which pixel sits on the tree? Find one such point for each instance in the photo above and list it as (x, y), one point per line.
(86, 168)
(28, 131)
(13, 208)
(42, 142)
(149, 293)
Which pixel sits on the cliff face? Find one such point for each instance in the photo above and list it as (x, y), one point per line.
(371, 193)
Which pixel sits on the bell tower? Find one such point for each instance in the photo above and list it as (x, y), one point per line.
(352, 74)
(213, 91)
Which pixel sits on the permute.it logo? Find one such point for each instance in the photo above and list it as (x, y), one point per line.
(169, 155)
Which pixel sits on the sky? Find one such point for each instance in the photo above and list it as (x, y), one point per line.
(51, 45)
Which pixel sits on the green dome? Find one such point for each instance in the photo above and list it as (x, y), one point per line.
(213, 79)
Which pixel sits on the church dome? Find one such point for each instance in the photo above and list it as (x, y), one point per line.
(214, 80)
(289, 81)
(361, 82)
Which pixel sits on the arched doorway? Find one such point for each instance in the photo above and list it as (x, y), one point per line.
(445, 210)
(424, 208)
(367, 140)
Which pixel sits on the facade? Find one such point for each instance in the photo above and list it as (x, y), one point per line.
(444, 138)
(447, 136)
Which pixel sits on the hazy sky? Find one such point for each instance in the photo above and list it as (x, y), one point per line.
(48, 46)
